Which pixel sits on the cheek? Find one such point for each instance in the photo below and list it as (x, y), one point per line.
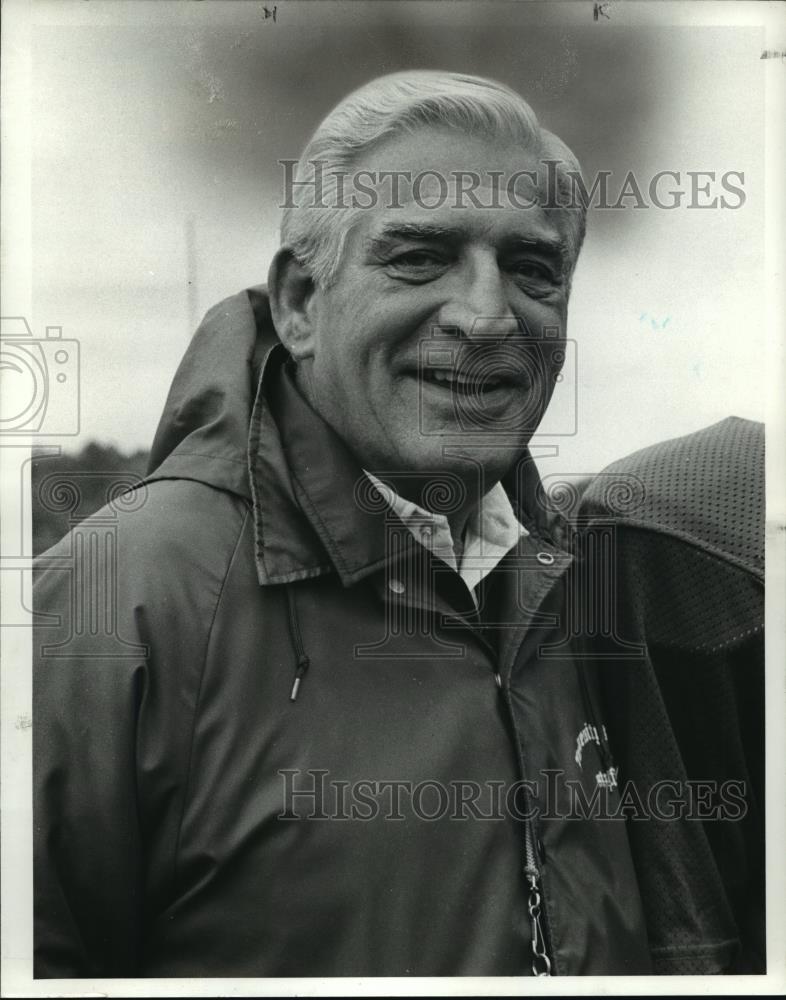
(546, 325)
(542, 317)
(368, 345)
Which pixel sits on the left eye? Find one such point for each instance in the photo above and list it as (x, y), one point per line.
(533, 269)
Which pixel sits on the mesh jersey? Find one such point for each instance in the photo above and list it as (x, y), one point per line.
(686, 705)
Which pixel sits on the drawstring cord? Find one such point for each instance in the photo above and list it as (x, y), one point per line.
(302, 661)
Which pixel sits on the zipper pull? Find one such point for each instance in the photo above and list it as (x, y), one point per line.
(541, 963)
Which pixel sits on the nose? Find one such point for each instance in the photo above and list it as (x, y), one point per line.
(478, 306)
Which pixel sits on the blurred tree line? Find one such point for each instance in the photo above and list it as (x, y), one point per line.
(68, 488)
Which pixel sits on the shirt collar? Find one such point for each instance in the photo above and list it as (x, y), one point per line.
(491, 532)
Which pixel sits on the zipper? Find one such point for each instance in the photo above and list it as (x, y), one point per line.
(541, 960)
(541, 963)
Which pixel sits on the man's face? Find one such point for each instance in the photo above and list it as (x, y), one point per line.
(428, 352)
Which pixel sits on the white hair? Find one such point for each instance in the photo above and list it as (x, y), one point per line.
(400, 103)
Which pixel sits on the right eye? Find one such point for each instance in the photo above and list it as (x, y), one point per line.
(418, 265)
(417, 258)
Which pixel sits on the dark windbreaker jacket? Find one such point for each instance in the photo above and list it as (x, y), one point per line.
(274, 738)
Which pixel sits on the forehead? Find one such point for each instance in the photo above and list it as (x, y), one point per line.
(476, 187)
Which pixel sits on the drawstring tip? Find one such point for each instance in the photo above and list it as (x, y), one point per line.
(297, 641)
(302, 667)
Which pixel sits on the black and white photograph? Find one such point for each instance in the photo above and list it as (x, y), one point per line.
(393, 497)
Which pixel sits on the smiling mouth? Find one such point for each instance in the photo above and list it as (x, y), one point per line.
(452, 381)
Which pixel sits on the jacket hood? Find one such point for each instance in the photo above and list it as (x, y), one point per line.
(203, 431)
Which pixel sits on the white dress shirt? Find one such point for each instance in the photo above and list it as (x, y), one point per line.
(492, 530)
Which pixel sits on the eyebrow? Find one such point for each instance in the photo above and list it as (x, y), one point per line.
(557, 249)
(430, 232)
(412, 232)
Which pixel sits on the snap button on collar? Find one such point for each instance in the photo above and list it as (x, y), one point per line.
(396, 586)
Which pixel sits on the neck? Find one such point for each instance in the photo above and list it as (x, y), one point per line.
(458, 525)
(439, 495)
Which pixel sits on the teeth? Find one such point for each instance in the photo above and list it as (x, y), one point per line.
(449, 377)
(443, 375)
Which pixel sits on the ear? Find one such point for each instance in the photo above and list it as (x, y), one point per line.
(291, 289)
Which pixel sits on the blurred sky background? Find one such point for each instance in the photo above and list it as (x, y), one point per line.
(156, 131)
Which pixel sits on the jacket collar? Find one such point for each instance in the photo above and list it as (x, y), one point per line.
(315, 510)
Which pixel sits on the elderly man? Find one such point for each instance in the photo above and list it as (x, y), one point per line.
(325, 739)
